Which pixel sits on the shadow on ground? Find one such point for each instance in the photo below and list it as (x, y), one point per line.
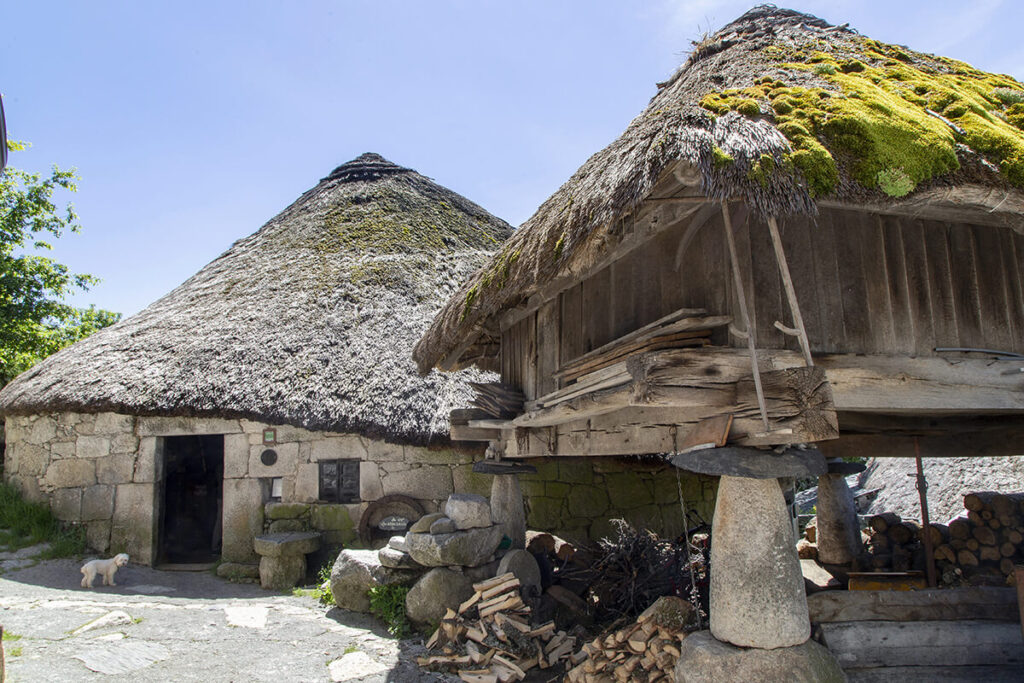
(136, 580)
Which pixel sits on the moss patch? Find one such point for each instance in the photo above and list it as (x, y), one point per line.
(876, 117)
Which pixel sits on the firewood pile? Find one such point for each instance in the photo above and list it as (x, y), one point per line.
(646, 650)
(980, 548)
(490, 639)
(497, 400)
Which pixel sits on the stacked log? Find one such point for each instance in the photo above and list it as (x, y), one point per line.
(490, 639)
(497, 400)
(644, 651)
(980, 548)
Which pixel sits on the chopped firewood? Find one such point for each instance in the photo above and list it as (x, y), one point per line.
(483, 676)
(520, 674)
(491, 583)
(469, 603)
(509, 603)
(500, 588)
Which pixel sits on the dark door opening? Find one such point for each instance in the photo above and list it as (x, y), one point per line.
(190, 529)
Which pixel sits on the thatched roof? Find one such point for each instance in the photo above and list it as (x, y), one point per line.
(310, 321)
(784, 111)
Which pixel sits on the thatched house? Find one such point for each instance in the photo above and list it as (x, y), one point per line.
(806, 236)
(280, 372)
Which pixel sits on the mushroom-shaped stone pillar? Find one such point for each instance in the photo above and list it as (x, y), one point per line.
(838, 532)
(757, 589)
(507, 507)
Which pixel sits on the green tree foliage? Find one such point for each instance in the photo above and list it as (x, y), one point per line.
(34, 320)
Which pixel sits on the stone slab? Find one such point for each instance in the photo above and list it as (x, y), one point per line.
(436, 592)
(357, 571)
(287, 543)
(396, 559)
(753, 463)
(702, 659)
(122, 658)
(492, 467)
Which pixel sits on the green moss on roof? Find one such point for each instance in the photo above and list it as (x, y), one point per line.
(392, 220)
(881, 115)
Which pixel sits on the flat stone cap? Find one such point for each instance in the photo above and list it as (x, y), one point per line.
(739, 461)
(287, 543)
(494, 467)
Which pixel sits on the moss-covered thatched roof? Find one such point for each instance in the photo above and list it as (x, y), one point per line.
(310, 321)
(782, 110)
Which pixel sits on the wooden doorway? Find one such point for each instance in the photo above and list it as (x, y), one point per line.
(190, 524)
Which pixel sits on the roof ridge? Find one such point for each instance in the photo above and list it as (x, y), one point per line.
(367, 166)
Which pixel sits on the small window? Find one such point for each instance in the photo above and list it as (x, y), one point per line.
(339, 481)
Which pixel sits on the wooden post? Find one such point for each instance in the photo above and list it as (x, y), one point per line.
(787, 283)
(1018, 572)
(738, 279)
(926, 536)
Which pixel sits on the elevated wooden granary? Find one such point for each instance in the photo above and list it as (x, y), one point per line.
(873, 199)
(808, 236)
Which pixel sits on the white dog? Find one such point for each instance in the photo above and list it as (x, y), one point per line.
(105, 567)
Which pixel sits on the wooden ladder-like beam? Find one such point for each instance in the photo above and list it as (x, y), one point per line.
(749, 330)
(787, 282)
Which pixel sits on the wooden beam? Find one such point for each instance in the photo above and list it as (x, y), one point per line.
(955, 445)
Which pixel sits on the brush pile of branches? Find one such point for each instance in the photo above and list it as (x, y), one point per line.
(636, 567)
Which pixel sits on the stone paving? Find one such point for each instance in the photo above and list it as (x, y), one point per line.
(184, 626)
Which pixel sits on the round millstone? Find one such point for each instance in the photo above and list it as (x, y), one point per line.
(507, 508)
(757, 590)
(838, 533)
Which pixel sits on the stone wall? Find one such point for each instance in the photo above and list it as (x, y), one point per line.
(104, 471)
(577, 497)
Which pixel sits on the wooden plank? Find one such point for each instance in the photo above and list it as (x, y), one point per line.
(624, 314)
(919, 297)
(849, 237)
(711, 432)
(528, 334)
(829, 292)
(597, 319)
(769, 300)
(940, 283)
(507, 353)
(592, 381)
(899, 292)
(673, 280)
(683, 320)
(547, 347)
(864, 644)
(876, 282)
(572, 323)
(796, 241)
(988, 263)
(717, 276)
(1014, 289)
(617, 353)
(648, 285)
(965, 286)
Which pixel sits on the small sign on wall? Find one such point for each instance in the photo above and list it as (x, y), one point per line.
(269, 436)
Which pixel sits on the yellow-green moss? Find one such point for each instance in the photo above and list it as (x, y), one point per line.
(877, 117)
(720, 158)
(762, 170)
(559, 246)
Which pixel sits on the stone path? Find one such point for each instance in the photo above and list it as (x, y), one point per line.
(184, 626)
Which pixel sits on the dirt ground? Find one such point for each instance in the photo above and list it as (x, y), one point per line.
(185, 626)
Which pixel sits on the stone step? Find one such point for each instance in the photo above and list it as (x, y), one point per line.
(915, 644)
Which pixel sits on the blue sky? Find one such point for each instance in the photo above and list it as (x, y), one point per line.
(193, 123)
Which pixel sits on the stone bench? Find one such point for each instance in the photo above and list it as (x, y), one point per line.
(283, 557)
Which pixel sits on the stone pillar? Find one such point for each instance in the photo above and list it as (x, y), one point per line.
(507, 508)
(757, 588)
(838, 533)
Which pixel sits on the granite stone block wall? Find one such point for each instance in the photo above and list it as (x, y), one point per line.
(105, 472)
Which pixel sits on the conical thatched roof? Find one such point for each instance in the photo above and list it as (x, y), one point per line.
(784, 111)
(310, 321)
